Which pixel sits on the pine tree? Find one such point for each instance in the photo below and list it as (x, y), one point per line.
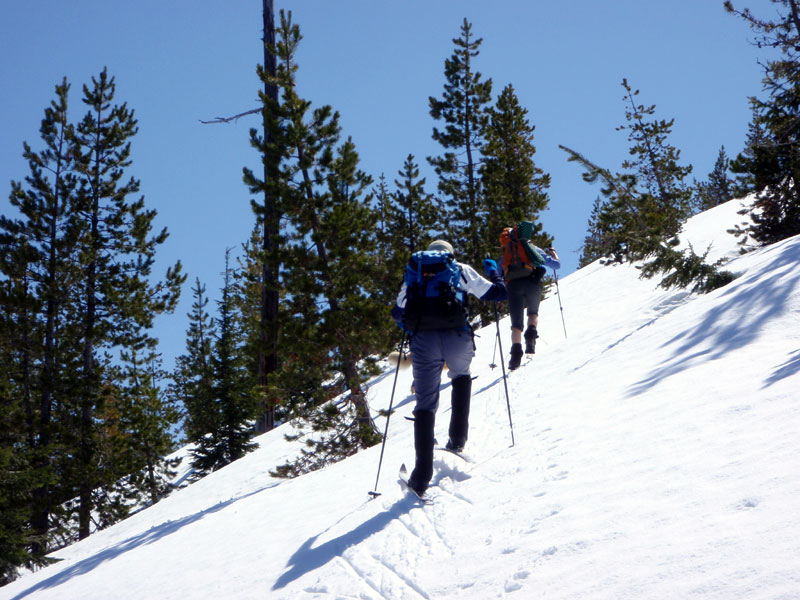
(410, 218)
(392, 249)
(770, 164)
(331, 320)
(414, 215)
(193, 376)
(665, 198)
(117, 254)
(384, 208)
(236, 391)
(463, 110)
(648, 203)
(247, 297)
(147, 416)
(18, 479)
(514, 186)
(718, 189)
(646, 206)
(334, 291)
(40, 268)
(229, 412)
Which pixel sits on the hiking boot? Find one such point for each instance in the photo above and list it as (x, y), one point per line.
(423, 445)
(530, 339)
(454, 447)
(516, 356)
(459, 414)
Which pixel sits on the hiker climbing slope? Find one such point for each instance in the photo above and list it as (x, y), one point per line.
(524, 265)
(430, 308)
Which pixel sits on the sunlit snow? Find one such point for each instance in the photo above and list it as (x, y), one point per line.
(656, 456)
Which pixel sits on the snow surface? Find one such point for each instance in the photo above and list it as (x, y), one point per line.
(656, 457)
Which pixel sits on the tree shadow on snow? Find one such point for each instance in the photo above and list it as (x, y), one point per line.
(307, 558)
(147, 537)
(787, 369)
(754, 301)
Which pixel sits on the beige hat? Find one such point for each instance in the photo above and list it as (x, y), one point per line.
(441, 246)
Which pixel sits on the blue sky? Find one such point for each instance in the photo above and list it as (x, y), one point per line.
(177, 62)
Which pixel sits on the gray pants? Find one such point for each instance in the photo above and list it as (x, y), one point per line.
(523, 294)
(429, 351)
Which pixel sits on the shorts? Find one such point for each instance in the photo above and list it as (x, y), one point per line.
(523, 293)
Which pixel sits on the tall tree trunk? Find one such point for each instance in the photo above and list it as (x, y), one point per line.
(268, 358)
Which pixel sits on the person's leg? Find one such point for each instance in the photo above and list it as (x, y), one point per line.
(533, 297)
(424, 421)
(427, 360)
(459, 350)
(516, 308)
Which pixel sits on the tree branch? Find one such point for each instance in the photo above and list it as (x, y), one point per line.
(229, 119)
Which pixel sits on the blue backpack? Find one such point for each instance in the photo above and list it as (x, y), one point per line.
(434, 295)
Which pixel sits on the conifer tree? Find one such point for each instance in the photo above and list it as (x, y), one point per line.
(770, 164)
(719, 187)
(410, 218)
(384, 208)
(384, 234)
(192, 379)
(236, 390)
(147, 416)
(414, 215)
(515, 188)
(463, 111)
(227, 414)
(247, 298)
(18, 479)
(665, 196)
(329, 260)
(334, 291)
(645, 206)
(39, 267)
(390, 251)
(117, 253)
(647, 203)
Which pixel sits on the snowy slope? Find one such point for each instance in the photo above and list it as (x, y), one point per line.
(656, 457)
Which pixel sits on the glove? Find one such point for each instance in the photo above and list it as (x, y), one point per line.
(490, 266)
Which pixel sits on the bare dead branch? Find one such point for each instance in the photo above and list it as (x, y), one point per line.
(229, 119)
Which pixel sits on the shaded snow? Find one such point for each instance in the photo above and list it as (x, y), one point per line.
(655, 457)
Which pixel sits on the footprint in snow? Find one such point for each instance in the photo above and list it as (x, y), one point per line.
(747, 503)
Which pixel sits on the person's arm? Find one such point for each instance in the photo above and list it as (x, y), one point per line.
(398, 308)
(491, 290)
(551, 258)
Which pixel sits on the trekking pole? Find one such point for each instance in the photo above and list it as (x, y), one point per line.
(375, 493)
(503, 364)
(558, 293)
(494, 355)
